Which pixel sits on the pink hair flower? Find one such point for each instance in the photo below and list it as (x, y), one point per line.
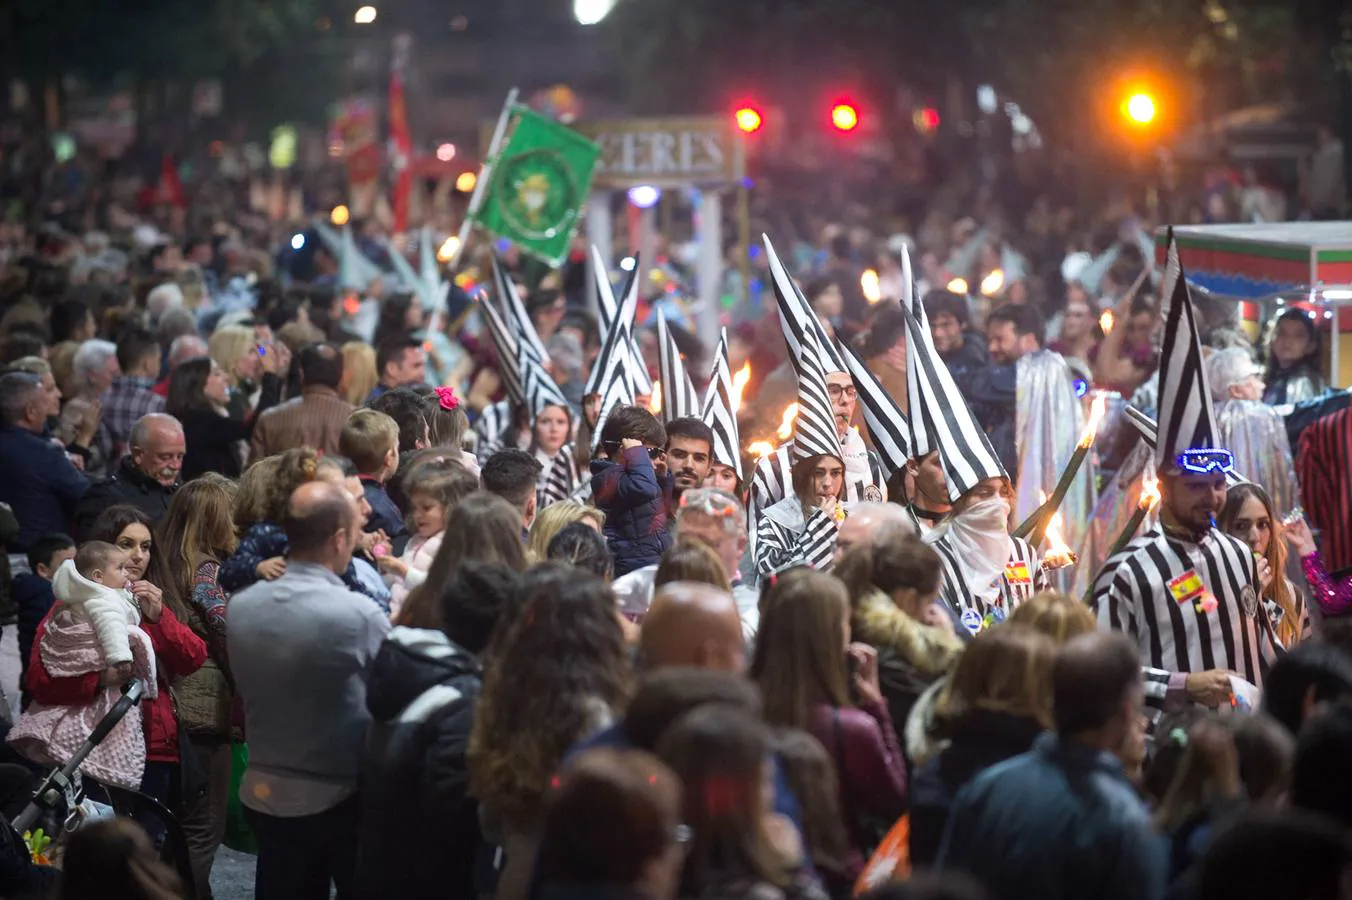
(447, 398)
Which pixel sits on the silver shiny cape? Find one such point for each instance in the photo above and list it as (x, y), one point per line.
(1256, 435)
(1050, 419)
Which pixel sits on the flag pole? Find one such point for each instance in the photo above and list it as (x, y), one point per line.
(485, 173)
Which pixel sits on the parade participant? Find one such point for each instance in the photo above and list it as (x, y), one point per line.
(1248, 514)
(1253, 432)
(1294, 356)
(862, 475)
(987, 572)
(507, 422)
(801, 529)
(551, 431)
(725, 466)
(1185, 591)
(679, 399)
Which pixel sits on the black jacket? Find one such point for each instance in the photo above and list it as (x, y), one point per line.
(33, 599)
(212, 439)
(127, 485)
(979, 740)
(419, 826)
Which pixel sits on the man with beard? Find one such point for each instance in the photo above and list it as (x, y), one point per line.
(1185, 591)
(689, 453)
(147, 477)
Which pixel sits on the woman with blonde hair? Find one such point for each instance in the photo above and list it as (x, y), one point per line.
(235, 349)
(359, 372)
(553, 519)
(806, 666)
(1059, 616)
(691, 560)
(195, 536)
(995, 705)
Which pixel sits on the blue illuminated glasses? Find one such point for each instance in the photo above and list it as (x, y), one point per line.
(1206, 461)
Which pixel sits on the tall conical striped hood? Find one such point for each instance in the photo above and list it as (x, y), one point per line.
(515, 315)
(678, 393)
(796, 318)
(887, 424)
(1186, 418)
(504, 342)
(608, 307)
(613, 377)
(814, 431)
(718, 413)
(967, 455)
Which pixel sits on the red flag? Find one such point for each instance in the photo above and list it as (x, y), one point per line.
(401, 149)
(170, 188)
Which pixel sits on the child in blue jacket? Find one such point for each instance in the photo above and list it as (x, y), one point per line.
(627, 487)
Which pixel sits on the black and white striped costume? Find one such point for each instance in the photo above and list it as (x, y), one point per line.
(786, 538)
(1190, 606)
(1021, 579)
(558, 479)
(773, 477)
(489, 429)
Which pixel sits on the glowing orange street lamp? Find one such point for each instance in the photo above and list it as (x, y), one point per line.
(1140, 108)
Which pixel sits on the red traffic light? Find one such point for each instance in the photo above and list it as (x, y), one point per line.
(845, 117)
(749, 119)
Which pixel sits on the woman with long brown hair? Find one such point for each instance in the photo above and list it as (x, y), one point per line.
(996, 703)
(196, 534)
(1248, 515)
(806, 666)
(483, 527)
(738, 847)
(557, 672)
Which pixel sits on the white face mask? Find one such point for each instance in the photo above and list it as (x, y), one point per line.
(980, 537)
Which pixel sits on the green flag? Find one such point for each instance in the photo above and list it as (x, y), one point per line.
(538, 184)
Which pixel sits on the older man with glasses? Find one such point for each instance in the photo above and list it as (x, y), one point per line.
(716, 519)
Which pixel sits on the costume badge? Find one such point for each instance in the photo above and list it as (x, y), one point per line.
(1017, 573)
(1187, 588)
(1248, 601)
(872, 494)
(971, 620)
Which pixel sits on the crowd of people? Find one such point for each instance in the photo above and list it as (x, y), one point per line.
(503, 603)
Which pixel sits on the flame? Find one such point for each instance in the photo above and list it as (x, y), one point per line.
(655, 401)
(871, 286)
(760, 449)
(448, 249)
(785, 430)
(958, 286)
(1150, 490)
(993, 282)
(739, 383)
(351, 303)
(1107, 321)
(1058, 554)
(1097, 408)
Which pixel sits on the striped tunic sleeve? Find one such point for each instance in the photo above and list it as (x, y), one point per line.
(779, 547)
(769, 482)
(560, 481)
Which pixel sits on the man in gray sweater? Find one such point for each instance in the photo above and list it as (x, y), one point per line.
(300, 651)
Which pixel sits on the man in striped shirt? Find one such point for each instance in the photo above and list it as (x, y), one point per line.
(1188, 594)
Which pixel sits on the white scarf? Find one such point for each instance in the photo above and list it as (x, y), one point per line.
(979, 536)
(854, 454)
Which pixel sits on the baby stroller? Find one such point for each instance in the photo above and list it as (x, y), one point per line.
(55, 804)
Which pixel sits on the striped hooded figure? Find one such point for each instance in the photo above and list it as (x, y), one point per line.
(720, 414)
(1185, 591)
(809, 345)
(987, 572)
(502, 423)
(679, 398)
(802, 528)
